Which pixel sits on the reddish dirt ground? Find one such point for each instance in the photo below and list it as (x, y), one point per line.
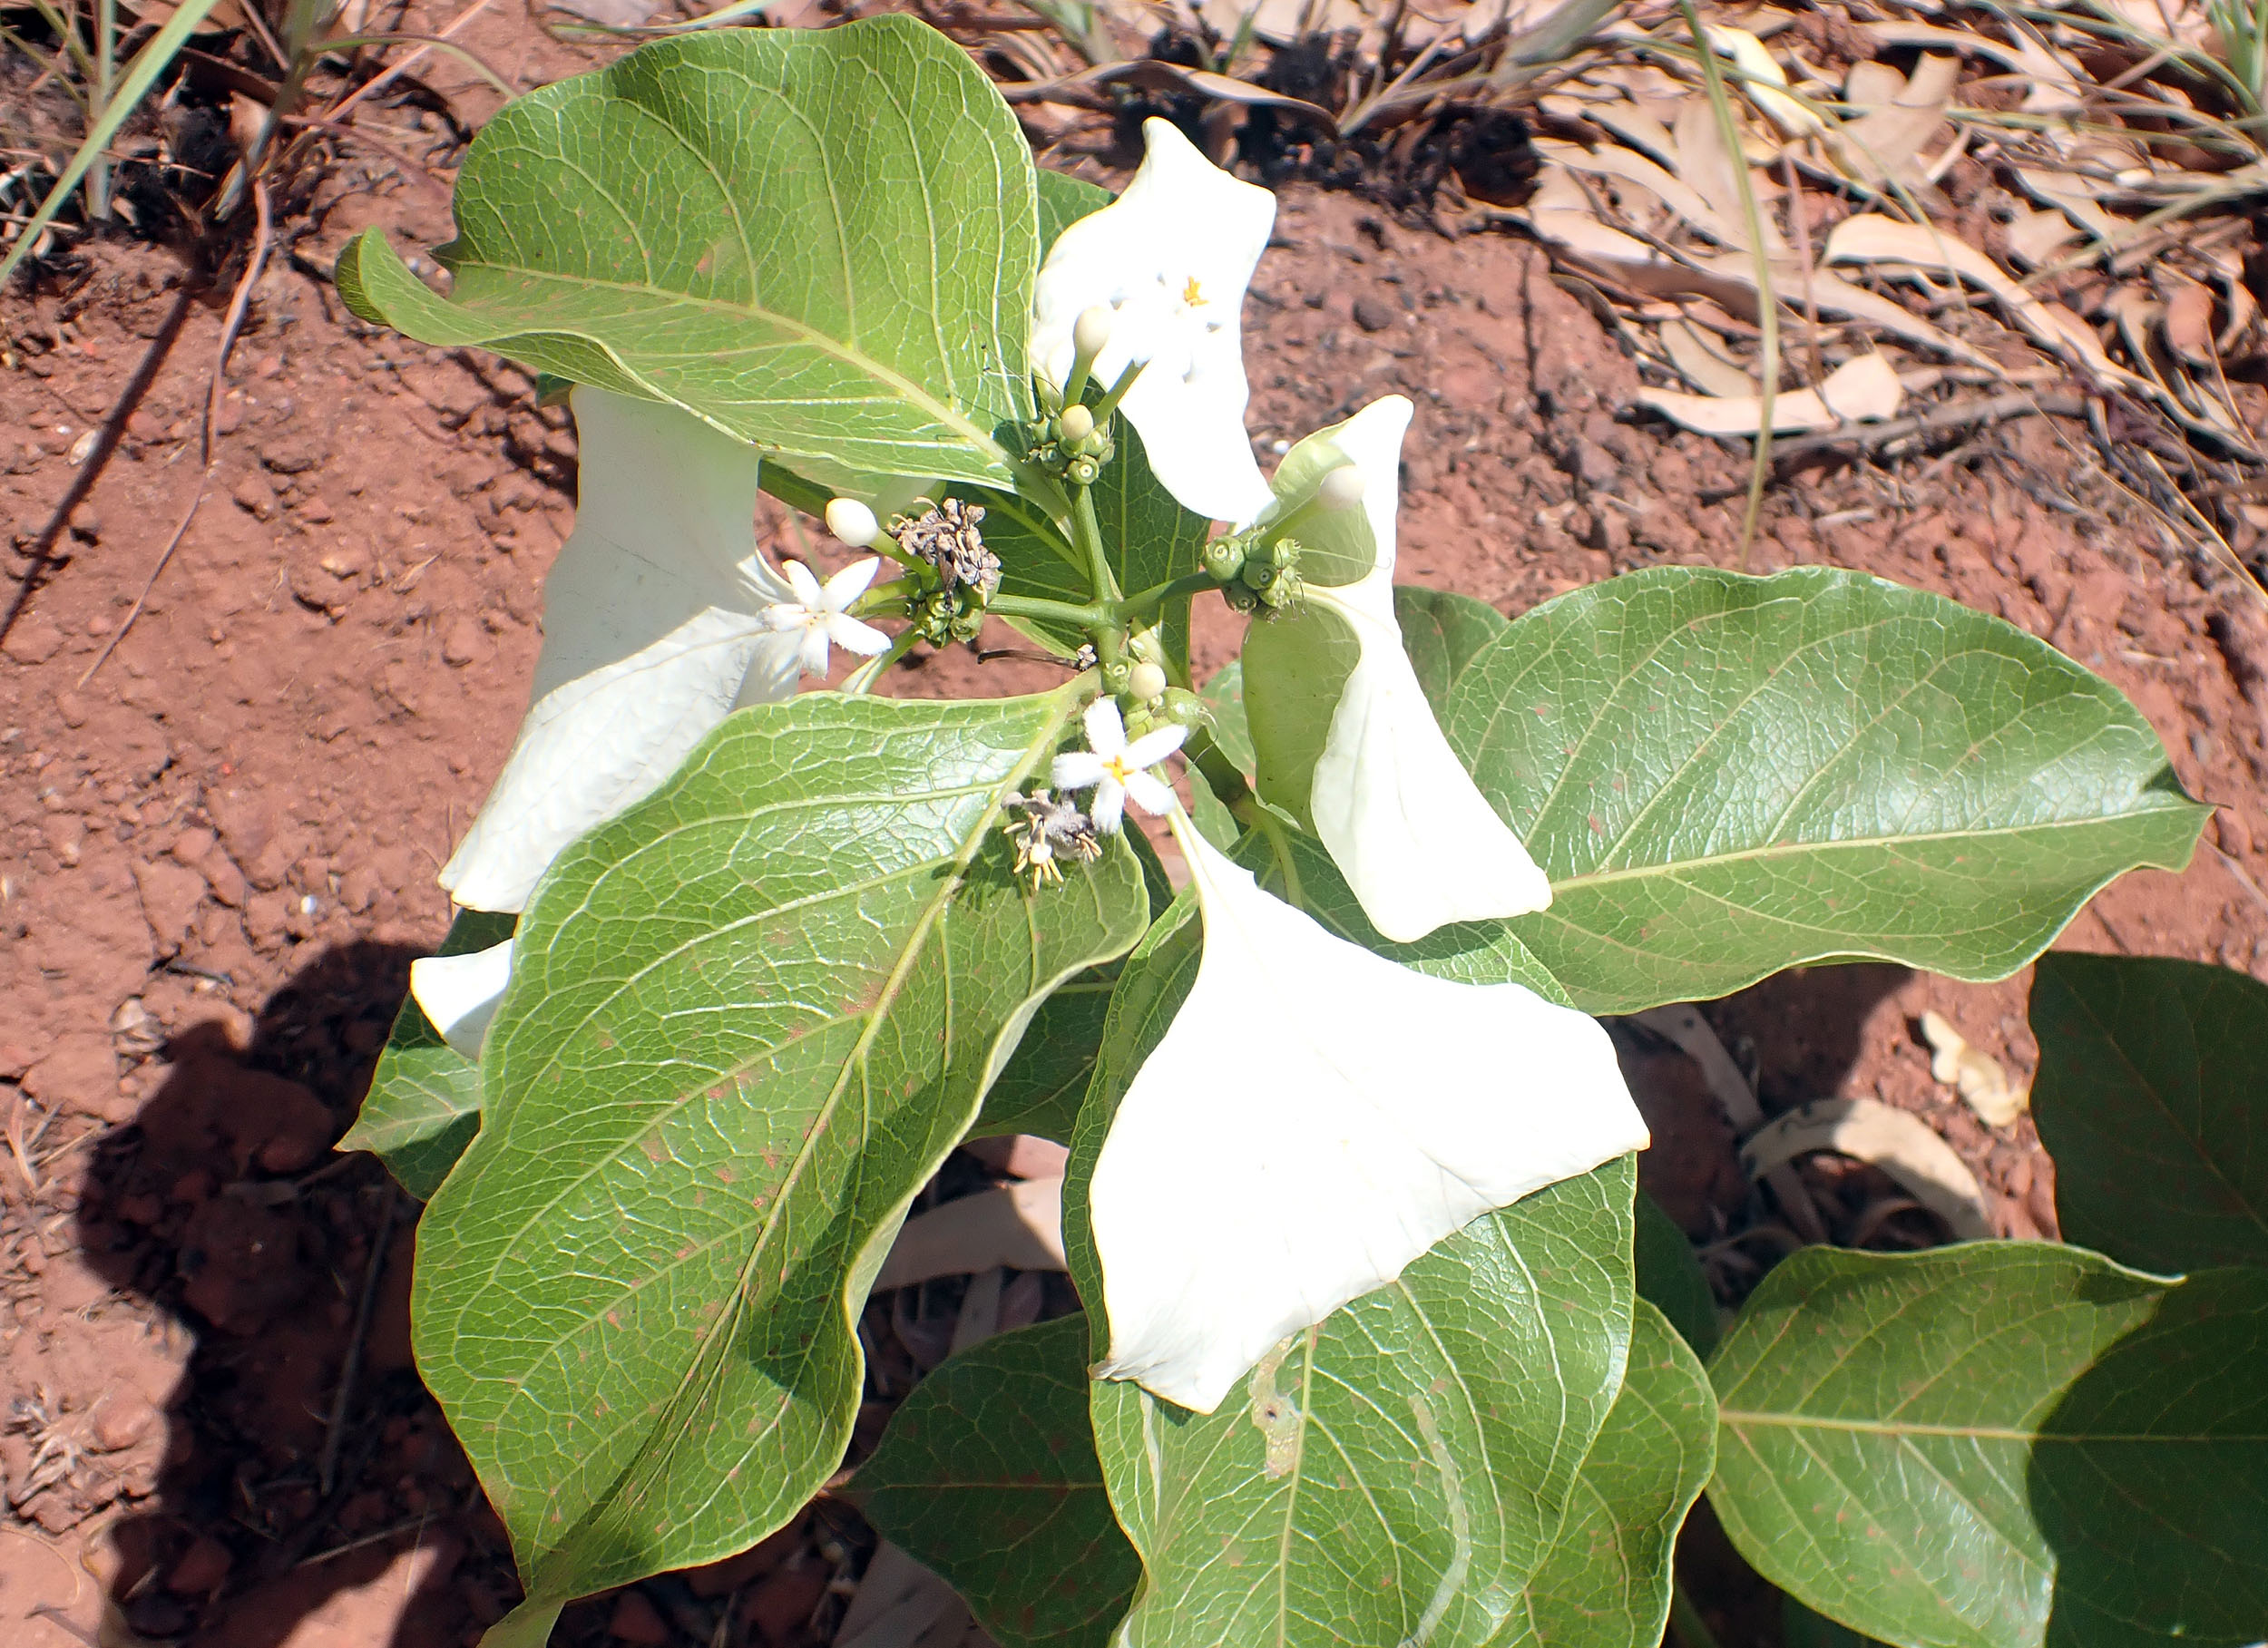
(219, 848)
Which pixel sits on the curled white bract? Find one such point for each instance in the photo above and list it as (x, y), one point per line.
(1408, 828)
(652, 634)
(1168, 261)
(460, 994)
(1314, 1118)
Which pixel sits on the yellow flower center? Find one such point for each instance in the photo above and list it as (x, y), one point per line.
(1193, 294)
(1116, 766)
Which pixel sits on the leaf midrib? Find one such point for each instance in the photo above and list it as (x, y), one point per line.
(800, 332)
(1735, 1418)
(1674, 867)
(708, 1356)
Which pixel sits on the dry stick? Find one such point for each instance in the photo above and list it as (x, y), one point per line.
(1767, 294)
(385, 76)
(1804, 254)
(2063, 404)
(238, 304)
(343, 1396)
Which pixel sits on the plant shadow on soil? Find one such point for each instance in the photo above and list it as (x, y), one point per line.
(224, 1207)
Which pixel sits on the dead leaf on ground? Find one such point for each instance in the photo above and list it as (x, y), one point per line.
(1972, 1073)
(1864, 387)
(1019, 1226)
(1896, 1141)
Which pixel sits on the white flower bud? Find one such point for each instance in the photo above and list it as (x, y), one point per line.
(853, 522)
(1077, 423)
(1145, 681)
(1091, 331)
(1342, 488)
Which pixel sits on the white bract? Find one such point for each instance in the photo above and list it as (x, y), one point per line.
(819, 614)
(460, 993)
(653, 633)
(1316, 1117)
(1412, 834)
(1171, 259)
(1115, 769)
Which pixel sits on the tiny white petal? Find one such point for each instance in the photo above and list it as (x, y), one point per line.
(814, 655)
(1106, 729)
(1155, 745)
(1315, 1119)
(1150, 793)
(654, 629)
(1109, 807)
(1169, 261)
(460, 993)
(1075, 769)
(809, 593)
(854, 636)
(847, 585)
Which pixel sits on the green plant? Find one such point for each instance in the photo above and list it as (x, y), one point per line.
(1351, 1201)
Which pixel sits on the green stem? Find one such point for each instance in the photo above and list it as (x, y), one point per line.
(862, 679)
(1685, 1620)
(885, 601)
(1148, 600)
(1087, 533)
(1049, 612)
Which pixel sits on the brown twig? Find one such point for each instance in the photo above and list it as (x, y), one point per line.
(106, 442)
(238, 304)
(350, 1369)
(1871, 437)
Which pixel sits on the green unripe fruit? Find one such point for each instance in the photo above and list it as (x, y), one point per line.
(1240, 598)
(1224, 559)
(1184, 708)
(1083, 471)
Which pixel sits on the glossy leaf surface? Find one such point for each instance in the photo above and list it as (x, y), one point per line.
(2001, 1444)
(2152, 1096)
(746, 1021)
(1723, 777)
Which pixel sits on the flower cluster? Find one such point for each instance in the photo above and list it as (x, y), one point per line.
(1317, 1115)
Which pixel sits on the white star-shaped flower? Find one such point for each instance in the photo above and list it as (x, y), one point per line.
(819, 614)
(1115, 769)
(1315, 1117)
(1414, 837)
(1171, 259)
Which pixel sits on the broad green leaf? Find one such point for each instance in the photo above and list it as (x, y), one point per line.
(1724, 777)
(425, 1101)
(1063, 200)
(1399, 1472)
(1606, 1583)
(988, 1476)
(1296, 669)
(821, 242)
(1224, 695)
(747, 1019)
(1671, 1277)
(2152, 1096)
(1441, 630)
(2001, 1445)
(1041, 1086)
